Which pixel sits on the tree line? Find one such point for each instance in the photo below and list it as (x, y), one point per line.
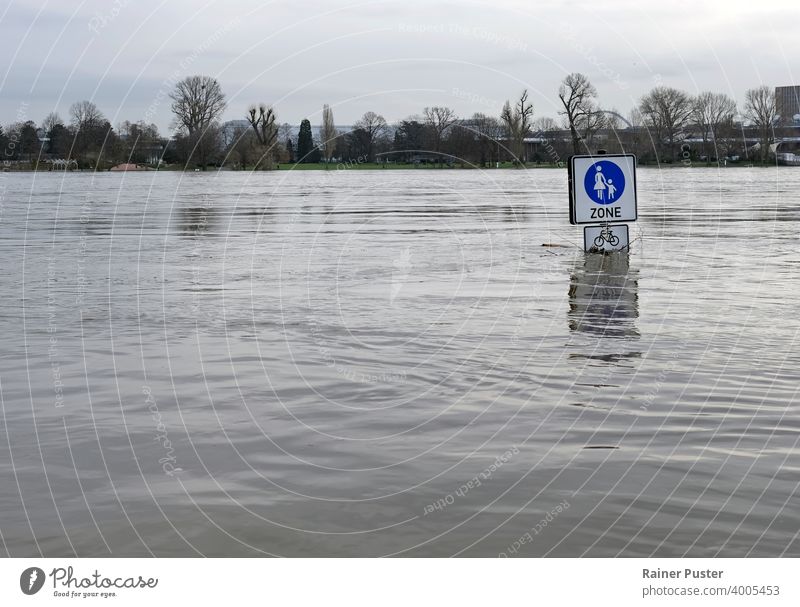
(667, 125)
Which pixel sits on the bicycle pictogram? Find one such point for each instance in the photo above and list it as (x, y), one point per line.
(606, 235)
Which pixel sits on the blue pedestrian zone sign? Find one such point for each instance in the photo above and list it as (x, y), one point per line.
(602, 188)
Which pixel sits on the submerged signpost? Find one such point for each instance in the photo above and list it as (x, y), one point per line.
(602, 191)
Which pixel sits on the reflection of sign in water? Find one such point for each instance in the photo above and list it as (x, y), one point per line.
(603, 297)
(605, 239)
(602, 188)
(402, 265)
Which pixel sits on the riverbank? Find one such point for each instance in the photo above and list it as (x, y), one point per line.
(374, 166)
(311, 166)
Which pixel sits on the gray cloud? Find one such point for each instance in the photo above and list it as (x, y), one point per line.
(390, 56)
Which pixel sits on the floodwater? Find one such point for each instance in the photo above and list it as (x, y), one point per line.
(367, 363)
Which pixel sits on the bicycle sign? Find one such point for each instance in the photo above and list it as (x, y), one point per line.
(604, 239)
(602, 188)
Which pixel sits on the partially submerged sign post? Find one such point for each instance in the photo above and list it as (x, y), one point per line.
(602, 190)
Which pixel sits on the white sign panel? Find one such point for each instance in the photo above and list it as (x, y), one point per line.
(605, 239)
(602, 188)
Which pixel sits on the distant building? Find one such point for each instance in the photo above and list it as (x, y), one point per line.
(787, 104)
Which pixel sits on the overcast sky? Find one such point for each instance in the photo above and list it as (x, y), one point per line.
(391, 57)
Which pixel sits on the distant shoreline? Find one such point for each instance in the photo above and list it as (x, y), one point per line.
(344, 167)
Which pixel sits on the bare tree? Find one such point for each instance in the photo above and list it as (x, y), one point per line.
(545, 124)
(518, 121)
(328, 133)
(589, 124)
(550, 147)
(262, 120)
(439, 120)
(635, 119)
(243, 146)
(138, 142)
(760, 111)
(84, 115)
(197, 102)
(615, 124)
(632, 140)
(666, 111)
(50, 121)
(524, 110)
(201, 148)
(285, 134)
(285, 131)
(373, 126)
(578, 96)
(711, 113)
(89, 136)
(490, 132)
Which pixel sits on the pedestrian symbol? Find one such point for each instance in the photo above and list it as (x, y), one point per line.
(604, 182)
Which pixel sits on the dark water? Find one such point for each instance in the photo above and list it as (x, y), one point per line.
(364, 363)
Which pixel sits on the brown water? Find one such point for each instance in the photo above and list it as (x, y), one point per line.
(331, 363)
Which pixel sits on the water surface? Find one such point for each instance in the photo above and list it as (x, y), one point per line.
(368, 363)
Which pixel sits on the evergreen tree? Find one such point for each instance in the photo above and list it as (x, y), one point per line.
(60, 141)
(29, 144)
(306, 152)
